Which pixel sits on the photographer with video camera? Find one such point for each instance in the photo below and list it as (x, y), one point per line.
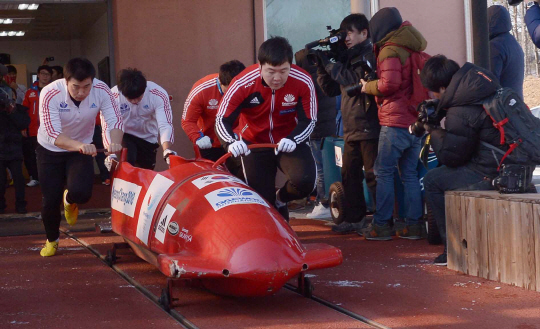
(359, 112)
(13, 119)
(465, 147)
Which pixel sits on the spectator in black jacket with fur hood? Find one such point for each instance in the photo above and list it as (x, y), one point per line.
(467, 163)
(13, 119)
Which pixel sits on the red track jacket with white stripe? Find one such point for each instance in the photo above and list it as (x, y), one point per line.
(200, 109)
(151, 115)
(266, 115)
(59, 115)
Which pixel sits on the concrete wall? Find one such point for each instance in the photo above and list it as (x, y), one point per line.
(175, 43)
(441, 22)
(33, 52)
(94, 42)
(303, 21)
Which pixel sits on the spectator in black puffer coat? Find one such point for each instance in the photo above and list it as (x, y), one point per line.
(507, 61)
(467, 164)
(13, 119)
(325, 127)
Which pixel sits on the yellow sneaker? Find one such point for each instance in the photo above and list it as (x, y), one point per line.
(71, 211)
(49, 249)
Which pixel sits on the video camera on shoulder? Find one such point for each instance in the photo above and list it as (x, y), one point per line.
(513, 178)
(333, 45)
(427, 113)
(368, 74)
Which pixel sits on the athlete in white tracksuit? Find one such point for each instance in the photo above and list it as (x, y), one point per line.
(146, 112)
(67, 112)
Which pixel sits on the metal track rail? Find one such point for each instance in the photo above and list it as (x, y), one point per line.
(173, 313)
(340, 309)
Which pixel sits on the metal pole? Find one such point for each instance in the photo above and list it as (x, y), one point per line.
(480, 33)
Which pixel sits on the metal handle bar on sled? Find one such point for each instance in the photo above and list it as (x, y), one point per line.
(251, 146)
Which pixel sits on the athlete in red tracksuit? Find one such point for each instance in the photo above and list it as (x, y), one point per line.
(276, 103)
(201, 106)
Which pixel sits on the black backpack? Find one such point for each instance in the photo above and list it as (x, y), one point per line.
(519, 128)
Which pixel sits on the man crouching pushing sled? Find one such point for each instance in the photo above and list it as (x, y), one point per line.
(67, 112)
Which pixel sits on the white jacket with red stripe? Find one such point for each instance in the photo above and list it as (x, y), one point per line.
(266, 115)
(152, 115)
(59, 115)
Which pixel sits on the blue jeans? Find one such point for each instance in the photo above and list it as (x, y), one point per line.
(315, 145)
(397, 148)
(441, 179)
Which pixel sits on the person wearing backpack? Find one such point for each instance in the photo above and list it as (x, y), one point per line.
(465, 147)
(396, 44)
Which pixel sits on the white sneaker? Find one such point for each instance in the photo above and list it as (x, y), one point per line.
(320, 212)
(33, 183)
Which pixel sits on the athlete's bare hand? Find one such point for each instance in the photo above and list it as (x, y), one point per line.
(88, 149)
(114, 148)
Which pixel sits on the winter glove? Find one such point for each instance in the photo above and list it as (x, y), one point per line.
(238, 148)
(204, 142)
(286, 145)
(166, 154)
(109, 161)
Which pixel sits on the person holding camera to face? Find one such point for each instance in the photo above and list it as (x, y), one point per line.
(13, 119)
(359, 113)
(465, 147)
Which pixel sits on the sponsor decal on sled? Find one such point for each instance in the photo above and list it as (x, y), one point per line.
(211, 179)
(163, 222)
(124, 196)
(157, 189)
(229, 196)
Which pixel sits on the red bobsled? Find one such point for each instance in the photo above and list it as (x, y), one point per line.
(197, 221)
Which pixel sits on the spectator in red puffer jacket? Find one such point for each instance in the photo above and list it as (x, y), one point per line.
(394, 41)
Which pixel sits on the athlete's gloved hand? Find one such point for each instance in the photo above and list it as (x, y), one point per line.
(286, 145)
(109, 161)
(166, 154)
(204, 142)
(238, 148)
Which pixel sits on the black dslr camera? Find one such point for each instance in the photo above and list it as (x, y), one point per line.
(427, 113)
(513, 179)
(333, 45)
(368, 74)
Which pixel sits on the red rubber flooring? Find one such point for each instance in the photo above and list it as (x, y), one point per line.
(392, 283)
(101, 198)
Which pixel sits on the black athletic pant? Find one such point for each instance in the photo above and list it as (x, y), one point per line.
(29, 145)
(97, 140)
(57, 169)
(298, 166)
(141, 154)
(233, 164)
(358, 155)
(15, 166)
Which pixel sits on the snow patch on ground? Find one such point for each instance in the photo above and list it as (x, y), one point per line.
(347, 283)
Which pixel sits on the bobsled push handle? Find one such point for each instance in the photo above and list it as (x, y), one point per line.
(251, 146)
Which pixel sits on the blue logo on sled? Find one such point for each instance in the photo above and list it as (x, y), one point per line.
(93, 106)
(234, 192)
